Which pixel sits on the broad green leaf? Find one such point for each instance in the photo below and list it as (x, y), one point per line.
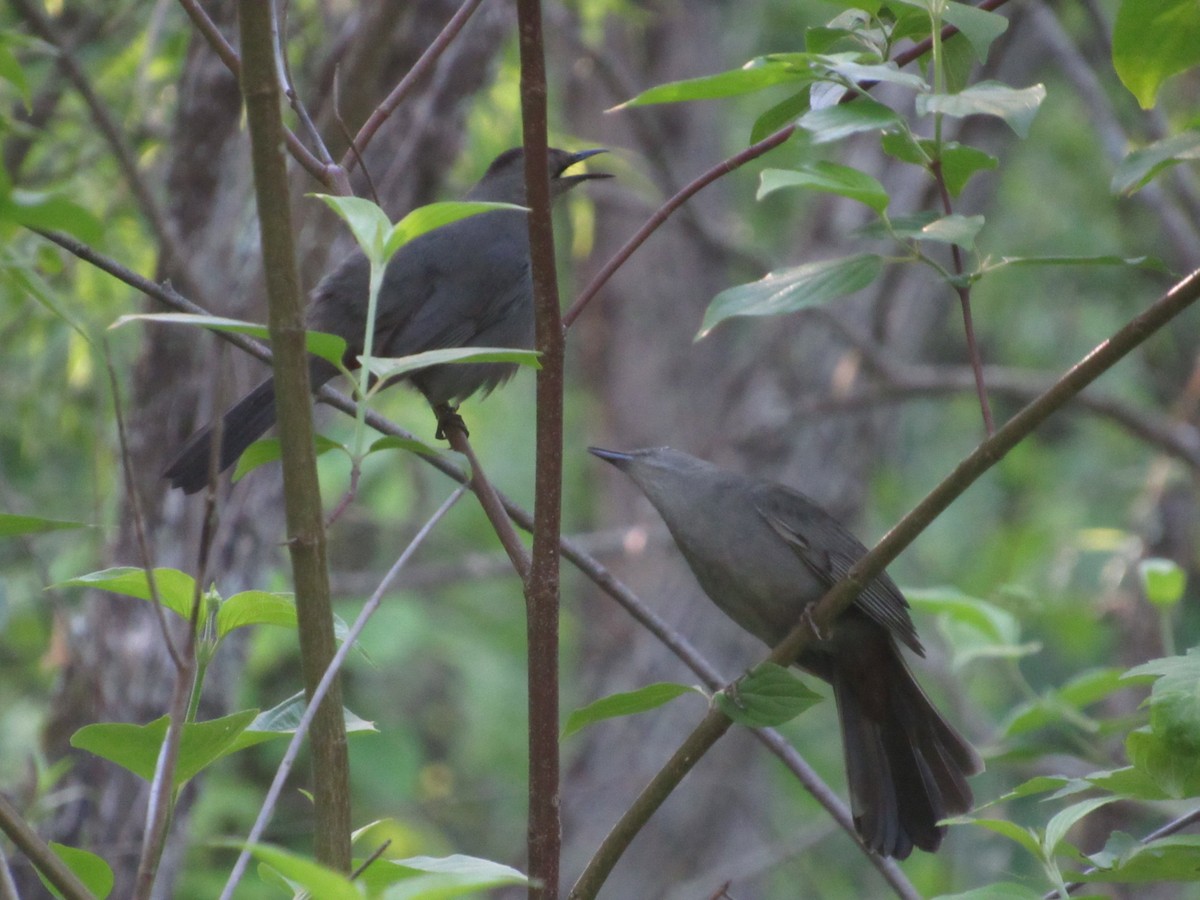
(753, 77)
(92, 870)
(1163, 581)
(627, 703)
(953, 229)
(438, 878)
(1153, 40)
(11, 526)
(1173, 765)
(861, 73)
(958, 161)
(1015, 106)
(834, 123)
(283, 720)
(367, 222)
(329, 347)
(175, 589)
(768, 696)
(53, 211)
(974, 628)
(1010, 830)
(1129, 781)
(828, 177)
(411, 445)
(255, 608)
(136, 747)
(1127, 860)
(301, 872)
(1039, 784)
(392, 367)
(900, 227)
(781, 114)
(979, 26)
(11, 71)
(434, 215)
(789, 290)
(1137, 169)
(268, 450)
(1062, 822)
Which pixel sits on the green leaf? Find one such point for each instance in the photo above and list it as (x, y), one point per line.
(1128, 781)
(789, 290)
(754, 76)
(268, 450)
(11, 526)
(255, 608)
(136, 747)
(628, 703)
(953, 229)
(974, 628)
(43, 209)
(1126, 860)
(11, 71)
(834, 123)
(411, 445)
(329, 347)
(283, 719)
(175, 589)
(304, 874)
(1173, 765)
(1010, 830)
(434, 215)
(1015, 106)
(1137, 169)
(92, 870)
(438, 878)
(1062, 822)
(827, 177)
(768, 696)
(979, 26)
(1163, 581)
(367, 222)
(392, 367)
(782, 113)
(1064, 706)
(1153, 40)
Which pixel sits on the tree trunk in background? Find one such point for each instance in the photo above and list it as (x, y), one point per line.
(118, 669)
(730, 399)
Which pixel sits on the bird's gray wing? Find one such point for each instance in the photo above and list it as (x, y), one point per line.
(829, 551)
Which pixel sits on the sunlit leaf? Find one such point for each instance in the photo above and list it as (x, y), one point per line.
(789, 290)
(11, 526)
(627, 703)
(1153, 40)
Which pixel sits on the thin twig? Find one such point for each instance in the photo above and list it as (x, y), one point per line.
(289, 86)
(664, 212)
(335, 665)
(38, 852)
(489, 500)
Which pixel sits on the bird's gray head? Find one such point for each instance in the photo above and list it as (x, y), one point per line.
(654, 464)
(504, 181)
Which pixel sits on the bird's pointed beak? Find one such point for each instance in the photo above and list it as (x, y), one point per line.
(616, 457)
(576, 158)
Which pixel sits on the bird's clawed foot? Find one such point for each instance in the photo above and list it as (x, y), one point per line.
(448, 417)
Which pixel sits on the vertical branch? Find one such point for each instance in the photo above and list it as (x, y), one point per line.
(541, 587)
(302, 498)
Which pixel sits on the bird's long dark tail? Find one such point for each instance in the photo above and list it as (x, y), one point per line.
(243, 424)
(906, 766)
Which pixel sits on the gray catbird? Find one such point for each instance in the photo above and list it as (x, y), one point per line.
(764, 552)
(466, 284)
